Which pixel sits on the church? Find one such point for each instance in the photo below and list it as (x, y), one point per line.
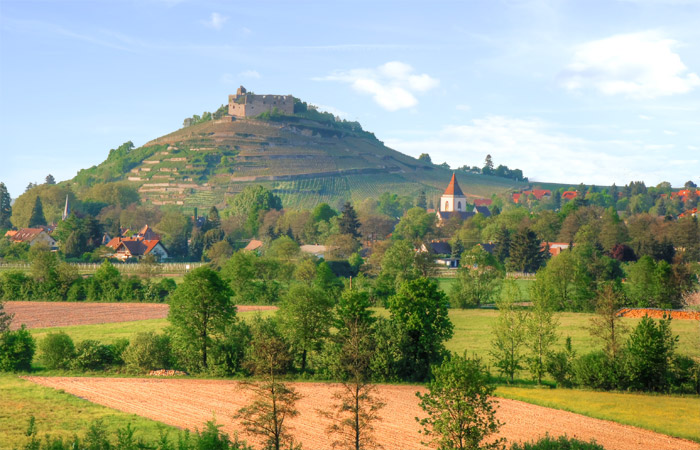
(454, 203)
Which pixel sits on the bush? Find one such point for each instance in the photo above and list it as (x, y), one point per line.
(685, 374)
(560, 365)
(598, 371)
(91, 355)
(148, 351)
(560, 443)
(16, 350)
(57, 350)
(228, 354)
(117, 348)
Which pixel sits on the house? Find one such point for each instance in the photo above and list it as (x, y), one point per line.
(144, 242)
(138, 248)
(32, 236)
(443, 253)
(483, 202)
(569, 195)
(539, 194)
(254, 244)
(690, 213)
(555, 248)
(319, 251)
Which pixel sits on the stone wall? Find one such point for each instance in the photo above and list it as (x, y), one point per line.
(250, 105)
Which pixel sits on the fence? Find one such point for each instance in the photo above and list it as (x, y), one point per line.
(126, 268)
(452, 273)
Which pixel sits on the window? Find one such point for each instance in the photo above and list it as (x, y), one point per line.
(459, 206)
(447, 206)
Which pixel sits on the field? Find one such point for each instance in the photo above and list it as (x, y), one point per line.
(62, 314)
(652, 412)
(445, 283)
(189, 403)
(58, 413)
(472, 327)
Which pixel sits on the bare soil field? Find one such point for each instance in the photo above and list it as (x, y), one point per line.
(63, 314)
(657, 313)
(190, 403)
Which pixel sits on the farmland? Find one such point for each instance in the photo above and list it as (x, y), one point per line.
(62, 314)
(472, 327)
(189, 403)
(58, 413)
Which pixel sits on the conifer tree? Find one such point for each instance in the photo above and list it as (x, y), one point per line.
(422, 202)
(348, 221)
(5, 207)
(37, 218)
(50, 179)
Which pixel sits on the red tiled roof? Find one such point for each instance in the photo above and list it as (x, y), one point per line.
(569, 195)
(453, 188)
(483, 202)
(26, 234)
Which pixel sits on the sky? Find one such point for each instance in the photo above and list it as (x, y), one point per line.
(594, 92)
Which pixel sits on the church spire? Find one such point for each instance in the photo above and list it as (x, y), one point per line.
(66, 210)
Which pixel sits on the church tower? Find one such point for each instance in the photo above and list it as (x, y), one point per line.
(453, 199)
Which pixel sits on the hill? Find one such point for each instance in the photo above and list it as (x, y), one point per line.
(304, 158)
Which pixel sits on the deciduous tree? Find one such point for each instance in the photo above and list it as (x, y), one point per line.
(200, 309)
(509, 332)
(460, 407)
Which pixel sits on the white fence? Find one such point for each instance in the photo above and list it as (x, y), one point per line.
(122, 267)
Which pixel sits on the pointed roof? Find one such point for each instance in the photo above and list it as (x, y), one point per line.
(66, 210)
(453, 188)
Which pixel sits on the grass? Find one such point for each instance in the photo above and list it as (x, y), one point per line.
(472, 331)
(57, 413)
(672, 415)
(107, 333)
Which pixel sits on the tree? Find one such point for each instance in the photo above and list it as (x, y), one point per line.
(460, 407)
(488, 166)
(526, 253)
(479, 279)
(252, 203)
(508, 332)
(414, 225)
(425, 158)
(607, 325)
(421, 202)
(540, 336)
(274, 401)
(5, 207)
(648, 354)
(323, 212)
(50, 179)
(357, 405)
(37, 217)
(5, 318)
(200, 309)
(420, 310)
(348, 223)
(174, 228)
(306, 314)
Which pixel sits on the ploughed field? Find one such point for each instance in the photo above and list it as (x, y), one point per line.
(62, 314)
(189, 403)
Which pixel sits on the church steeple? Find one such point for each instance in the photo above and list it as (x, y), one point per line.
(66, 210)
(453, 199)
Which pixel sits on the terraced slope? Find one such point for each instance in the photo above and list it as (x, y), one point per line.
(303, 161)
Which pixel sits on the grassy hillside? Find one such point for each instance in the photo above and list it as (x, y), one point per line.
(304, 161)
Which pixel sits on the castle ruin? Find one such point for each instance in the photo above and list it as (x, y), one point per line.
(248, 105)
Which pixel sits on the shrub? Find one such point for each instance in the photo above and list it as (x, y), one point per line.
(560, 365)
(648, 354)
(91, 355)
(57, 350)
(117, 348)
(598, 371)
(560, 443)
(148, 351)
(685, 373)
(16, 350)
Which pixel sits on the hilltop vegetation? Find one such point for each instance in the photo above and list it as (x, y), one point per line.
(306, 158)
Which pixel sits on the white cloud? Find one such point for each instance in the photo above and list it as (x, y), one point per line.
(216, 21)
(392, 85)
(637, 65)
(643, 117)
(463, 108)
(545, 154)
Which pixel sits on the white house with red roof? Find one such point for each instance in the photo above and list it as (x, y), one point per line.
(145, 242)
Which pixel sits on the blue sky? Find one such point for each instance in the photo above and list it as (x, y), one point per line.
(568, 91)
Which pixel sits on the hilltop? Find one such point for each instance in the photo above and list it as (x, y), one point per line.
(306, 158)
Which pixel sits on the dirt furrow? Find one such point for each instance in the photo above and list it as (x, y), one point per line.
(189, 403)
